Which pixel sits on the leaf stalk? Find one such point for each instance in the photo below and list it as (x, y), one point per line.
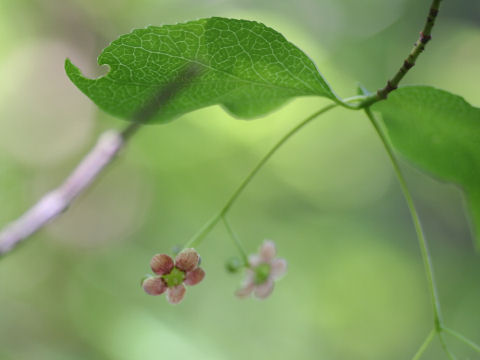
(198, 237)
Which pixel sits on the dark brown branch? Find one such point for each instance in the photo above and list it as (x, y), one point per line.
(418, 48)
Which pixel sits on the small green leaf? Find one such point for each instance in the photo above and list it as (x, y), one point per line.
(440, 133)
(247, 67)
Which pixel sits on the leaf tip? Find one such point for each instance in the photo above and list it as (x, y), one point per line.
(72, 71)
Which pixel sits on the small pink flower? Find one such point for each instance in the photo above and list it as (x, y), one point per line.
(263, 270)
(172, 275)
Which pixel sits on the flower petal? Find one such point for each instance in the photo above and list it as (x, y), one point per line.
(194, 277)
(262, 291)
(249, 277)
(268, 251)
(154, 286)
(278, 268)
(245, 290)
(161, 264)
(248, 284)
(254, 260)
(175, 294)
(187, 260)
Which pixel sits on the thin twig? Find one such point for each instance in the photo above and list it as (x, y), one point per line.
(409, 62)
(425, 37)
(104, 152)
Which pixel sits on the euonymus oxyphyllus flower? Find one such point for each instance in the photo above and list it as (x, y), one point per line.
(263, 270)
(172, 275)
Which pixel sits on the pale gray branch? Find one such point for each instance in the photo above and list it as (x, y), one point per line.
(58, 200)
(108, 145)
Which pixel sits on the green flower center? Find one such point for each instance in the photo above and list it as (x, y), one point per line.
(175, 277)
(262, 272)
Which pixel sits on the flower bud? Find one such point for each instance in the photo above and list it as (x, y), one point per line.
(233, 265)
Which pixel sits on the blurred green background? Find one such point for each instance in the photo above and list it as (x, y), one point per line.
(355, 287)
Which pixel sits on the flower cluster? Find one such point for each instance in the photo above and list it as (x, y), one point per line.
(174, 275)
(263, 269)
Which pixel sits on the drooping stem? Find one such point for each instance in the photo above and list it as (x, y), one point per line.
(424, 345)
(427, 262)
(444, 345)
(198, 237)
(462, 338)
(236, 240)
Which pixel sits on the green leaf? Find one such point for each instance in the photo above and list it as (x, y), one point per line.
(440, 133)
(246, 67)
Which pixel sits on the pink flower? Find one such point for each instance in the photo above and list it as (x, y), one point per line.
(263, 270)
(173, 275)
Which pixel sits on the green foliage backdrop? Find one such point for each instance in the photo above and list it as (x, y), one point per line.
(355, 287)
